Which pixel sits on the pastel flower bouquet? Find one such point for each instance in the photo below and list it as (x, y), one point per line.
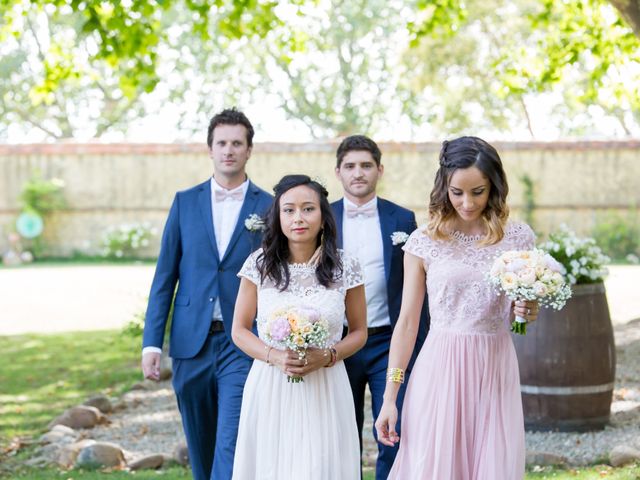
(297, 328)
(530, 275)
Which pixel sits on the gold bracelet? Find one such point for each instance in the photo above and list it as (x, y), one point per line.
(395, 375)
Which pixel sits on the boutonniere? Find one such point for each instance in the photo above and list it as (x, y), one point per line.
(398, 238)
(254, 223)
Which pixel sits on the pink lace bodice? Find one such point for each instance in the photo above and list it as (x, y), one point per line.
(460, 296)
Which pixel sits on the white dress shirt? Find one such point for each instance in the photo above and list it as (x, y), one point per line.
(225, 216)
(362, 238)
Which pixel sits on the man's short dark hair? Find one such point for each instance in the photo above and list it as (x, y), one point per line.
(358, 142)
(230, 116)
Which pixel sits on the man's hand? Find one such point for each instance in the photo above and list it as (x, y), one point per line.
(151, 365)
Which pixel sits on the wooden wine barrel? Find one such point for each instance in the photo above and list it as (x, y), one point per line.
(567, 364)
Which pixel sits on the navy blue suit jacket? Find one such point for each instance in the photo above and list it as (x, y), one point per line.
(189, 257)
(393, 218)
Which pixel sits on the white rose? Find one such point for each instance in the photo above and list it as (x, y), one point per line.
(509, 281)
(527, 276)
(540, 289)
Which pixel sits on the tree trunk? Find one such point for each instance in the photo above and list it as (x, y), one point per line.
(630, 11)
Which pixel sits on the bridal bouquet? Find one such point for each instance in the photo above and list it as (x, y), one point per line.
(530, 275)
(297, 328)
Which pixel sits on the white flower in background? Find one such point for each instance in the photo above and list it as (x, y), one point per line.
(398, 238)
(124, 240)
(581, 257)
(254, 223)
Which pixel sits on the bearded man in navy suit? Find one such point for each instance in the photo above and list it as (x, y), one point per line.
(210, 231)
(373, 230)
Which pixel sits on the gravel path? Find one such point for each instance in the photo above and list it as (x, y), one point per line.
(624, 428)
(150, 423)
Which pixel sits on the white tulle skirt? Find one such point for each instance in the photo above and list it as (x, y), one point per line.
(303, 430)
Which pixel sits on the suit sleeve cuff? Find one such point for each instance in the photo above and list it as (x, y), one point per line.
(146, 350)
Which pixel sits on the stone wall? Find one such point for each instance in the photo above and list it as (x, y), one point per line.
(111, 184)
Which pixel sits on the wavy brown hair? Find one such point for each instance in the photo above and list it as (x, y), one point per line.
(465, 152)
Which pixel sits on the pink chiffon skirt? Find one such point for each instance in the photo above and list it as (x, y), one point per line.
(462, 413)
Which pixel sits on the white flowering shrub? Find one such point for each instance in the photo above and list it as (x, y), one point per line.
(581, 256)
(124, 241)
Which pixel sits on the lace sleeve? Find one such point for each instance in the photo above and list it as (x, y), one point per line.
(249, 270)
(523, 236)
(420, 245)
(352, 274)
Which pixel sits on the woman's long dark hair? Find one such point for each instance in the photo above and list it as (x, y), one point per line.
(465, 152)
(273, 261)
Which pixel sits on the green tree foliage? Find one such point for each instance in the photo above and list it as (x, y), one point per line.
(69, 66)
(580, 50)
(335, 65)
(50, 78)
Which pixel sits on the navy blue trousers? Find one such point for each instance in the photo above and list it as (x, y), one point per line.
(209, 390)
(369, 366)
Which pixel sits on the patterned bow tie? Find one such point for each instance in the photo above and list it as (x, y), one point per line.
(222, 195)
(366, 211)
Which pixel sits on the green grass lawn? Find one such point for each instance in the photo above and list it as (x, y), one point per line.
(42, 375)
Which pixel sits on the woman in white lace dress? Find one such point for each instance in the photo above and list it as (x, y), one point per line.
(462, 411)
(307, 429)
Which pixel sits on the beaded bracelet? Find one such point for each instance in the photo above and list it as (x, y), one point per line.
(395, 375)
(334, 357)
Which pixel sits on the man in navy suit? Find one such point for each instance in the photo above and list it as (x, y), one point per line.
(208, 235)
(373, 230)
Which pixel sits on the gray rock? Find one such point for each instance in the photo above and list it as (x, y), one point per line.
(65, 430)
(67, 455)
(99, 455)
(181, 454)
(54, 436)
(45, 456)
(168, 461)
(623, 454)
(149, 462)
(119, 405)
(144, 385)
(545, 458)
(81, 416)
(101, 402)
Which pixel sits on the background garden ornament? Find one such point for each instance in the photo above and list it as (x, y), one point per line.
(15, 255)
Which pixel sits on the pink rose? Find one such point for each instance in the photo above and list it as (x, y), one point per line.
(516, 265)
(310, 313)
(553, 264)
(280, 329)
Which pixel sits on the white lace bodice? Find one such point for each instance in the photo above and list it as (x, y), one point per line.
(460, 296)
(304, 289)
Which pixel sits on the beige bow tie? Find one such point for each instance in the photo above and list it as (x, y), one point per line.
(366, 211)
(222, 195)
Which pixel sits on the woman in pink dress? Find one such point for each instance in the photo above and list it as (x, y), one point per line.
(462, 412)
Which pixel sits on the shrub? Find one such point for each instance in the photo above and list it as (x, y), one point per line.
(125, 241)
(619, 237)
